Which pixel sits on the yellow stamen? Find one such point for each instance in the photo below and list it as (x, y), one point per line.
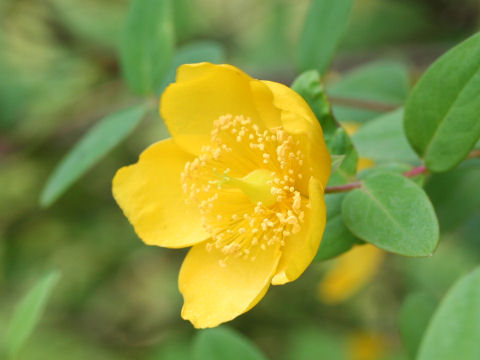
(216, 181)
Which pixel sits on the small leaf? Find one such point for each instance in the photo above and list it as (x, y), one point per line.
(415, 315)
(199, 51)
(337, 160)
(340, 144)
(392, 213)
(454, 330)
(442, 112)
(147, 44)
(336, 239)
(309, 86)
(27, 314)
(102, 138)
(223, 343)
(383, 139)
(383, 82)
(324, 26)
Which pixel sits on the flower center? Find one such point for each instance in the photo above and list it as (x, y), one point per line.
(244, 183)
(256, 186)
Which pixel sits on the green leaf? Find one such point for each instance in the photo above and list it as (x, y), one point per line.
(147, 44)
(441, 114)
(383, 82)
(223, 343)
(336, 239)
(102, 138)
(392, 213)
(340, 144)
(27, 314)
(324, 26)
(310, 87)
(383, 139)
(415, 315)
(199, 51)
(454, 330)
(337, 160)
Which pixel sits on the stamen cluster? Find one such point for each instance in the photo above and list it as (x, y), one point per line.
(238, 226)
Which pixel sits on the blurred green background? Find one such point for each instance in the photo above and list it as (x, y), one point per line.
(117, 298)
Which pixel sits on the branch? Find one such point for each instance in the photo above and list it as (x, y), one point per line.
(355, 185)
(362, 104)
(422, 169)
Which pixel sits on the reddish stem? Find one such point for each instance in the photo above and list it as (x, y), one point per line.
(355, 185)
(416, 171)
(362, 104)
(342, 188)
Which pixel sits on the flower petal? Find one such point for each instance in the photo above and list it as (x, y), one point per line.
(203, 92)
(214, 294)
(301, 248)
(350, 272)
(298, 119)
(150, 194)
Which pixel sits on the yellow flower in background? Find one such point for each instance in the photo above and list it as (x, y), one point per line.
(241, 181)
(349, 273)
(354, 269)
(367, 346)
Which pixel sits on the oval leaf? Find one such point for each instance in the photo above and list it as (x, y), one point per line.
(222, 343)
(102, 138)
(28, 313)
(324, 26)
(454, 330)
(392, 213)
(147, 44)
(442, 112)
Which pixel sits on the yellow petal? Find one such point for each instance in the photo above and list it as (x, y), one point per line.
(350, 272)
(298, 119)
(202, 93)
(214, 293)
(301, 248)
(150, 194)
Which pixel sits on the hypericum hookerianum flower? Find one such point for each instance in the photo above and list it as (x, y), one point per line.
(241, 180)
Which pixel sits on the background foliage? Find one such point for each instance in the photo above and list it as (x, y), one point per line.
(62, 71)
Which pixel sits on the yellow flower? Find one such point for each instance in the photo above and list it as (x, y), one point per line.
(241, 181)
